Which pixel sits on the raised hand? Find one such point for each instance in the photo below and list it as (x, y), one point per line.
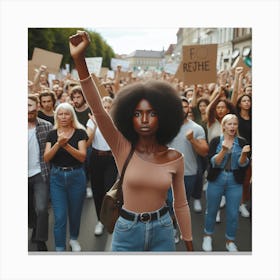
(78, 44)
(246, 149)
(226, 146)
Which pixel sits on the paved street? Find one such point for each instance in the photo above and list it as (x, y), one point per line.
(90, 243)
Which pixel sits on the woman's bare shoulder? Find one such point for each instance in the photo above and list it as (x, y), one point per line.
(173, 154)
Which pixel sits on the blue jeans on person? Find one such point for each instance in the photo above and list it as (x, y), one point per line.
(67, 189)
(137, 236)
(190, 182)
(225, 184)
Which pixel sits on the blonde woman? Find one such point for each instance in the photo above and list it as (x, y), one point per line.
(228, 162)
(66, 151)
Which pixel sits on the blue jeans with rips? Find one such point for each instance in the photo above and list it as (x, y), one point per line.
(225, 184)
(138, 236)
(67, 189)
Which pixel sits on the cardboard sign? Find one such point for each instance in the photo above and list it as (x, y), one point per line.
(31, 71)
(199, 64)
(94, 64)
(50, 59)
(102, 90)
(103, 72)
(240, 63)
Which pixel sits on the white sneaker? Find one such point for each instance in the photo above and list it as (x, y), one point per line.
(244, 212)
(207, 244)
(176, 236)
(197, 205)
(89, 192)
(75, 245)
(231, 247)
(223, 201)
(218, 217)
(98, 228)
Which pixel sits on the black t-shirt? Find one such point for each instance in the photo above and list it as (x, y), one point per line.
(245, 129)
(83, 116)
(62, 157)
(43, 116)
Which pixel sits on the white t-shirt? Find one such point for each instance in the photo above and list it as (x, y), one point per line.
(33, 153)
(98, 143)
(183, 145)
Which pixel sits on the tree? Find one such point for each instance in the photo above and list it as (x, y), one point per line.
(56, 40)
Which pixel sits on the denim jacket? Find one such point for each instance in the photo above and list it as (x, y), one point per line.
(237, 169)
(235, 155)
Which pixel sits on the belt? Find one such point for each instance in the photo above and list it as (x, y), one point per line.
(228, 170)
(144, 217)
(102, 153)
(67, 168)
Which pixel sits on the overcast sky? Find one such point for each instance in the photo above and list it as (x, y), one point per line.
(127, 40)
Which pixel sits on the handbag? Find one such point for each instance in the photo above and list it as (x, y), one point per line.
(113, 200)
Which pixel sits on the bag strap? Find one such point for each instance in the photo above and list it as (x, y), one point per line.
(119, 191)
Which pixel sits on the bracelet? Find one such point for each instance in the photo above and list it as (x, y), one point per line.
(84, 80)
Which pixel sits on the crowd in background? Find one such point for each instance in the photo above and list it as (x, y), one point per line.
(205, 106)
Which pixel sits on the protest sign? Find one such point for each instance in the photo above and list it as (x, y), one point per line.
(31, 71)
(103, 72)
(179, 73)
(123, 63)
(199, 63)
(51, 59)
(171, 68)
(94, 65)
(240, 63)
(111, 74)
(102, 90)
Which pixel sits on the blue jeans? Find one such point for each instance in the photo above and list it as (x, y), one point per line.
(225, 184)
(134, 235)
(190, 182)
(67, 189)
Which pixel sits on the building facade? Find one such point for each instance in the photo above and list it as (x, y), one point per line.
(145, 60)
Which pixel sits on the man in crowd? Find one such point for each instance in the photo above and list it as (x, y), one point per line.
(47, 103)
(82, 111)
(38, 175)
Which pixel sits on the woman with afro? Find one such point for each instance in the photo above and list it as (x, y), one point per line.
(145, 116)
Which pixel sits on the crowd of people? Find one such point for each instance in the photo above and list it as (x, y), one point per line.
(188, 138)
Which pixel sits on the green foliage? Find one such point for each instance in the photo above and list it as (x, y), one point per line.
(56, 40)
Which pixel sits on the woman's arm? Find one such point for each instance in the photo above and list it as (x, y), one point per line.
(221, 154)
(50, 151)
(243, 157)
(180, 205)
(80, 153)
(236, 83)
(78, 45)
(200, 145)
